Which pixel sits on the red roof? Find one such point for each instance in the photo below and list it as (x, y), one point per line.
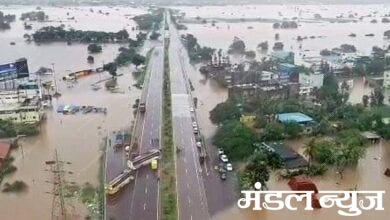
(4, 150)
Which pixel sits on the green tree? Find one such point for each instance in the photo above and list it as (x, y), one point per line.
(310, 150)
(257, 170)
(365, 100)
(292, 130)
(138, 60)
(324, 152)
(263, 45)
(111, 68)
(224, 111)
(272, 132)
(95, 48)
(238, 46)
(236, 140)
(155, 35)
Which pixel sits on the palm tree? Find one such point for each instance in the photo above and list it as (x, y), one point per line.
(309, 150)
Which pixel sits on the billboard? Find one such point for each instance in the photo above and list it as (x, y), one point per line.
(18, 69)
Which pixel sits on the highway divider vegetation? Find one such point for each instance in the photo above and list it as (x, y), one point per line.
(168, 171)
(142, 73)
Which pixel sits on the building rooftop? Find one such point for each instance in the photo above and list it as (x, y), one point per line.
(287, 65)
(282, 54)
(291, 158)
(4, 150)
(293, 117)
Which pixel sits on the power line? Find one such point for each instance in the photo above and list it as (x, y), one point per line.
(58, 203)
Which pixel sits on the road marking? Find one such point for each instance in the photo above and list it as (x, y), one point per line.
(188, 186)
(147, 176)
(191, 217)
(186, 171)
(189, 200)
(144, 206)
(146, 190)
(184, 159)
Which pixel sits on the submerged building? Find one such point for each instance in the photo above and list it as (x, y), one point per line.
(20, 96)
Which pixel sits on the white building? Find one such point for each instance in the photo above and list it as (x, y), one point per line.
(309, 81)
(267, 76)
(21, 102)
(28, 112)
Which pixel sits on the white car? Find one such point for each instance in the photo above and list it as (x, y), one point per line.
(199, 144)
(194, 124)
(191, 109)
(224, 158)
(220, 151)
(229, 167)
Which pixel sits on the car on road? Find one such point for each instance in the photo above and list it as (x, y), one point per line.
(154, 164)
(224, 158)
(194, 124)
(220, 151)
(199, 144)
(191, 109)
(223, 176)
(229, 167)
(119, 140)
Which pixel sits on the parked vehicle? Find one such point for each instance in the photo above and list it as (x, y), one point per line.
(191, 109)
(194, 124)
(199, 144)
(229, 167)
(220, 151)
(142, 107)
(223, 176)
(224, 158)
(119, 140)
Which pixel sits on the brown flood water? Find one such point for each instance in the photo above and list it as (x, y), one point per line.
(77, 138)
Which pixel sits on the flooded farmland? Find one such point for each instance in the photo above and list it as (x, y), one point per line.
(78, 138)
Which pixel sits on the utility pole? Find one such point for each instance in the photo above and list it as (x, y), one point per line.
(58, 203)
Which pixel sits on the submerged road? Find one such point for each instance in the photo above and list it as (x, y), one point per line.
(192, 202)
(117, 206)
(145, 198)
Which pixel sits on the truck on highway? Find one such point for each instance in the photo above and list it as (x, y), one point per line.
(142, 107)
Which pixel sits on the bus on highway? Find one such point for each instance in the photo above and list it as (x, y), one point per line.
(119, 182)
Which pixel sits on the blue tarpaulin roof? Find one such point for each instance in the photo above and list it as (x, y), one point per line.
(294, 117)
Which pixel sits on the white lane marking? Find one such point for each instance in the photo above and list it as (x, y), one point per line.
(188, 186)
(189, 200)
(147, 176)
(144, 206)
(146, 190)
(191, 217)
(184, 159)
(186, 171)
